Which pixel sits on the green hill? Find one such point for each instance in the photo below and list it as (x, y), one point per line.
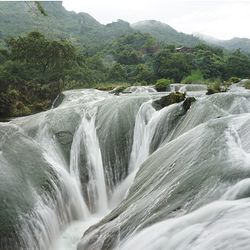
(17, 18)
(165, 33)
(236, 43)
(231, 44)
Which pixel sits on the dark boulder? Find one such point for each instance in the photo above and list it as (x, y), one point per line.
(59, 99)
(187, 103)
(167, 100)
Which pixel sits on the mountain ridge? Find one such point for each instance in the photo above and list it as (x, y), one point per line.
(19, 18)
(234, 43)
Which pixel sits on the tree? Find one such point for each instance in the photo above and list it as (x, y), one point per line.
(209, 61)
(143, 73)
(171, 65)
(49, 58)
(4, 55)
(238, 65)
(117, 73)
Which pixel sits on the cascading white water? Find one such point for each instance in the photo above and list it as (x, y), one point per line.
(50, 214)
(54, 156)
(142, 135)
(219, 225)
(96, 187)
(85, 141)
(64, 203)
(146, 122)
(205, 154)
(179, 178)
(140, 89)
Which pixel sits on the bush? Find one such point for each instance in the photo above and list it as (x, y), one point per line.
(73, 84)
(233, 79)
(110, 86)
(214, 87)
(5, 105)
(247, 84)
(19, 109)
(195, 77)
(162, 84)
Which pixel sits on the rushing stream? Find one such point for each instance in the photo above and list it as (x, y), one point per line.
(100, 171)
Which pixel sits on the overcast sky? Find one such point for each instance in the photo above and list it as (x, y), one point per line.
(222, 19)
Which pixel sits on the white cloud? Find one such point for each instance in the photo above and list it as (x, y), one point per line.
(219, 18)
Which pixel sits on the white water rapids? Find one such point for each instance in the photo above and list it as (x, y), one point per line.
(111, 172)
(100, 205)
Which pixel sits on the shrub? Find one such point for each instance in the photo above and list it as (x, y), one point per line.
(162, 84)
(233, 79)
(72, 84)
(19, 109)
(110, 86)
(195, 77)
(247, 84)
(213, 87)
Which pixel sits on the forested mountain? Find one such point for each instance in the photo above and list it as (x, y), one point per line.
(42, 55)
(165, 33)
(17, 18)
(231, 44)
(236, 43)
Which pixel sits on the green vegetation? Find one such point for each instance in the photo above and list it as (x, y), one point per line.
(31, 73)
(247, 84)
(35, 69)
(232, 44)
(50, 18)
(174, 97)
(216, 86)
(233, 79)
(116, 87)
(165, 33)
(162, 84)
(195, 77)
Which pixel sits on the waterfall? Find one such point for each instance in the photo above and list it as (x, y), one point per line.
(142, 135)
(96, 187)
(146, 123)
(189, 165)
(126, 175)
(50, 215)
(140, 89)
(219, 225)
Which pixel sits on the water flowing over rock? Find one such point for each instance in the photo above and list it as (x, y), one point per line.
(140, 89)
(201, 158)
(144, 178)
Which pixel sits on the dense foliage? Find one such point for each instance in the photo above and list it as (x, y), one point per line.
(34, 68)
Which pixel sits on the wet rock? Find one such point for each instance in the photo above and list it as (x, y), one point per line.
(167, 100)
(212, 91)
(217, 89)
(117, 90)
(59, 99)
(188, 102)
(64, 137)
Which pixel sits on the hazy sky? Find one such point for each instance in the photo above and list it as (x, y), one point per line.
(219, 18)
